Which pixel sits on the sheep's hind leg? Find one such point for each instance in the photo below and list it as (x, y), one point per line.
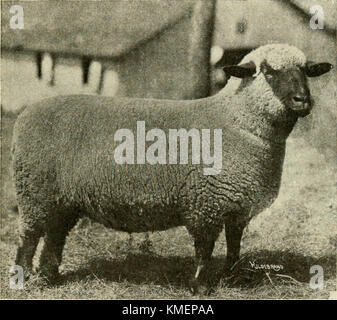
(29, 239)
(30, 232)
(54, 241)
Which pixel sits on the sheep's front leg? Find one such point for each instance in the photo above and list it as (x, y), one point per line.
(203, 251)
(234, 227)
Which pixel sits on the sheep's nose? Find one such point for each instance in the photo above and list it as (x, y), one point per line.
(302, 104)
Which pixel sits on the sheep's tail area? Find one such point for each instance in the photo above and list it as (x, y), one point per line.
(14, 207)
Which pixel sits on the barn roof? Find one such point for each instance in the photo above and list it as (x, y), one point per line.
(104, 28)
(329, 8)
(113, 28)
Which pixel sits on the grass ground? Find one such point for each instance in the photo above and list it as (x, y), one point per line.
(297, 232)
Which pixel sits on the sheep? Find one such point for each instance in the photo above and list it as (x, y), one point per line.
(64, 166)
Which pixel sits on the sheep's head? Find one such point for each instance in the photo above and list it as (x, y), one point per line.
(282, 68)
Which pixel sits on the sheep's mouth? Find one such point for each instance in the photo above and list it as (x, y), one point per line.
(303, 112)
(302, 109)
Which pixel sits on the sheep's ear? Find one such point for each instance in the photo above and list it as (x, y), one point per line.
(241, 71)
(313, 69)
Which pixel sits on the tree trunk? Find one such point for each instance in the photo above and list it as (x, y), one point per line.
(200, 49)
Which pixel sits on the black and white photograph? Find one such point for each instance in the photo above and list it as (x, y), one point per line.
(181, 150)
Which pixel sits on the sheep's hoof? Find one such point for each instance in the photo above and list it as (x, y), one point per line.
(194, 286)
(39, 281)
(230, 267)
(49, 277)
(201, 290)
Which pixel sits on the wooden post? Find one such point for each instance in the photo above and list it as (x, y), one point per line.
(200, 49)
(52, 77)
(101, 79)
(85, 69)
(38, 59)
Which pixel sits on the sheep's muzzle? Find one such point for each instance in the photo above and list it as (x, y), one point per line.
(302, 105)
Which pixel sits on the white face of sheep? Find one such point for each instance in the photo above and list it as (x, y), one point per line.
(289, 85)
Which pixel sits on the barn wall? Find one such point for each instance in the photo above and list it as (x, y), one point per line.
(159, 68)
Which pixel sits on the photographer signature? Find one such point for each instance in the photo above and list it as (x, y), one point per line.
(274, 267)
